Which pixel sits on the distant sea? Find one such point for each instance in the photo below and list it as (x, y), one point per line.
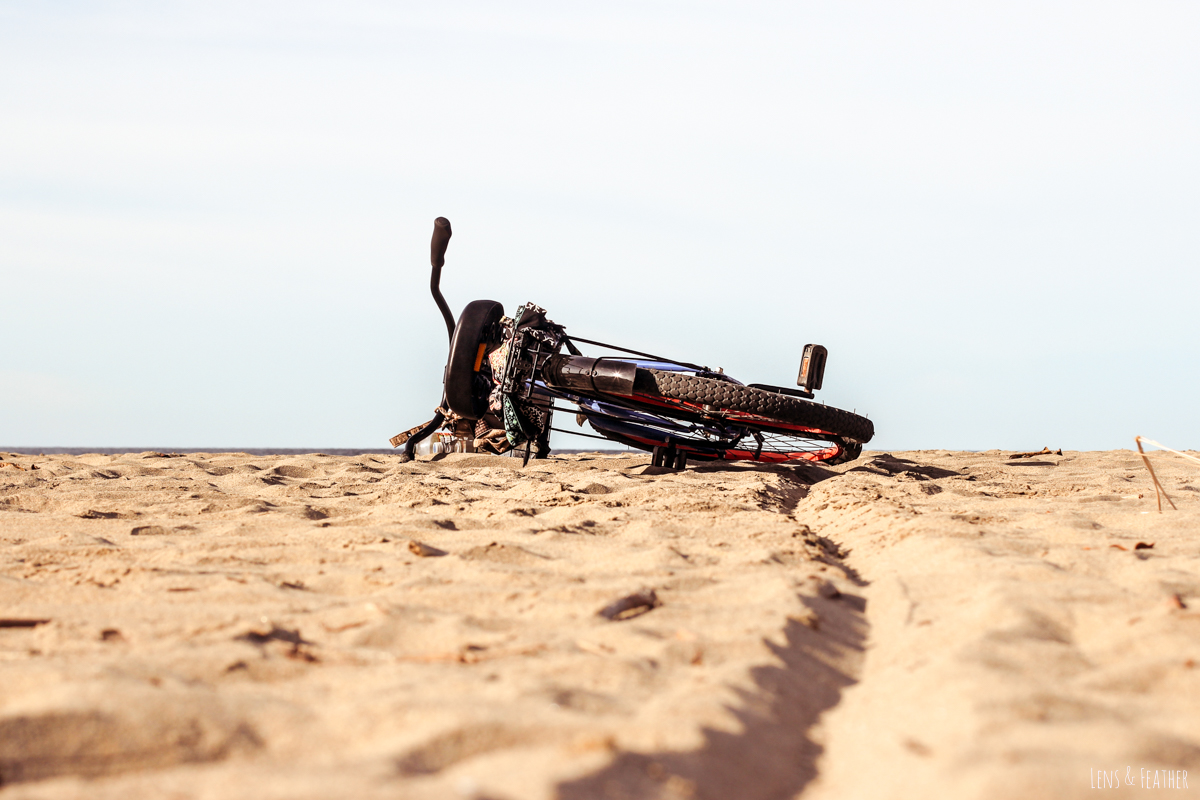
(253, 451)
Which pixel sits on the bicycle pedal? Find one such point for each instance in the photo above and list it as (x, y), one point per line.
(812, 367)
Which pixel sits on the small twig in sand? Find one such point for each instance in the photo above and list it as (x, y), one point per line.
(424, 550)
(277, 634)
(473, 654)
(22, 623)
(632, 606)
(595, 648)
(1159, 492)
(1045, 451)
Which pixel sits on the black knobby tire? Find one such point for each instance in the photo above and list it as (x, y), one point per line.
(462, 393)
(698, 395)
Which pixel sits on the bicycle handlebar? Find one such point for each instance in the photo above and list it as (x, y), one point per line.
(441, 240)
(437, 257)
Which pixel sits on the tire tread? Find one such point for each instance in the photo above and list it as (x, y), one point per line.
(729, 396)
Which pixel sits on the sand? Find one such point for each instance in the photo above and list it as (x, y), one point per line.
(921, 624)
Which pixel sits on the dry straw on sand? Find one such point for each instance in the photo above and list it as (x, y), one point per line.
(1159, 492)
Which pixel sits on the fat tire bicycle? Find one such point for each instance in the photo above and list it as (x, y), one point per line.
(506, 376)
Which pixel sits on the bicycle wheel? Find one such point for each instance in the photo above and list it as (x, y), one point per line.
(466, 392)
(700, 397)
(743, 442)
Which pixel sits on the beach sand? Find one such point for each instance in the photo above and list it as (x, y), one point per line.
(909, 625)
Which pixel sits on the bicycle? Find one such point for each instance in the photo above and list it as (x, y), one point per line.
(505, 377)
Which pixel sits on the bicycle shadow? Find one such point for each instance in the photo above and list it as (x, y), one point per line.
(890, 465)
(810, 473)
(800, 471)
(774, 755)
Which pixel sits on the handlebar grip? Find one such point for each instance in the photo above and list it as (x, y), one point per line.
(441, 240)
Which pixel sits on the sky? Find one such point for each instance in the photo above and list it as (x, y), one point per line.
(215, 217)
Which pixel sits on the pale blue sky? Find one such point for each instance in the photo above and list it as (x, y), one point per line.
(215, 217)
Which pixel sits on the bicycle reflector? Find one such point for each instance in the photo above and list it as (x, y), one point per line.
(812, 367)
